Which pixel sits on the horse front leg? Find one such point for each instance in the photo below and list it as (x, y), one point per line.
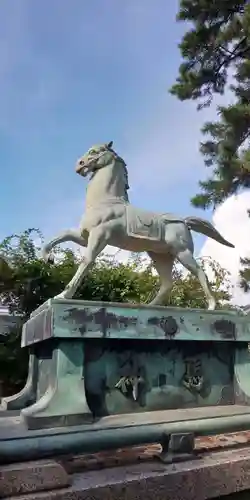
(73, 235)
(97, 241)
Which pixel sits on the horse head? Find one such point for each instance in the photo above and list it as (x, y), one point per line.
(97, 157)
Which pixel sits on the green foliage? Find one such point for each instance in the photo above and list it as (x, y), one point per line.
(32, 281)
(13, 362)
(245, 275)
(217, 46)
(27, 281)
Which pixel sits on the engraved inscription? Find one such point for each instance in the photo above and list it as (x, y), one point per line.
(193, 378)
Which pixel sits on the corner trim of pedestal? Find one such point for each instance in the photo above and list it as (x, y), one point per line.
(27, 396)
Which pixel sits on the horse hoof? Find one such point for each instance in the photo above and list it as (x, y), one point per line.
(212, 306)
(60, 296)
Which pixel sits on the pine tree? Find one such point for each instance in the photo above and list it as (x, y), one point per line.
(215, 49)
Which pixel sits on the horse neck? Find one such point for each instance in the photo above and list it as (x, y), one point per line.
(108, 184)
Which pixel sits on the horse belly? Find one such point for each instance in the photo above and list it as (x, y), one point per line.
(134, 244)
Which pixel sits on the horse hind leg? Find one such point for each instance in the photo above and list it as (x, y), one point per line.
(187, 259)
(73, 235)
(163, 264)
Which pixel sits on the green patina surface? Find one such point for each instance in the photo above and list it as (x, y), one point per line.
(109, 375)
(80, 319)
(97, 359)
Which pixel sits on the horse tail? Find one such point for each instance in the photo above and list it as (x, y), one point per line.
(202, 226)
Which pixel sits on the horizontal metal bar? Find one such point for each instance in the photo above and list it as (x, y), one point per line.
(32, 447)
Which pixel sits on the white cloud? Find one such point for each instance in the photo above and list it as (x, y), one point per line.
(232, 220)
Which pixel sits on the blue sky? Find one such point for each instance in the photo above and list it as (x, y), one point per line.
(75, 73)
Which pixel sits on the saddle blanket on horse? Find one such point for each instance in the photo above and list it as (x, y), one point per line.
(148, 225)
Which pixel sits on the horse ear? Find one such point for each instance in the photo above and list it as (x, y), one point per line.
(110, 144)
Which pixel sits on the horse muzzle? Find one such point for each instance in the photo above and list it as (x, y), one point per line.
(81, 168)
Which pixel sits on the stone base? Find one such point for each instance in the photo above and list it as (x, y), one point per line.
(212, 475)
(30, 477)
